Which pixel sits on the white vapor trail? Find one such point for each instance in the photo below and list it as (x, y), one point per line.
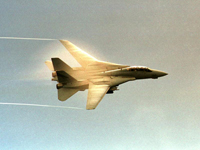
(38, 105)
(22, 38)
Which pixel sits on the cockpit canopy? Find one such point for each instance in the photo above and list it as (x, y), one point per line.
(139, 68)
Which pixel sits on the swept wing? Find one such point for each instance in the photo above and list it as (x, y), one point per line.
(87, 61)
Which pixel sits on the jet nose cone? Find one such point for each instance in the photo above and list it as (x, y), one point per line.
(157, 73)
(161, 73)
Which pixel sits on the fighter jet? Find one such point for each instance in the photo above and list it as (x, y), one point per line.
(97, 76)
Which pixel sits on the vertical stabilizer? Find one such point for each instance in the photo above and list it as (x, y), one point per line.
(49, 65)
(59, 65)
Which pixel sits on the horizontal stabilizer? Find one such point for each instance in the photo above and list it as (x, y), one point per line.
(58, 65)
(95, 95)
(65, 93)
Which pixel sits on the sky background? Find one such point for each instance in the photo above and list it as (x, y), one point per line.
(149, 114)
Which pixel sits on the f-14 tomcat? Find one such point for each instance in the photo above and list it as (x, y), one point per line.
(97, 76)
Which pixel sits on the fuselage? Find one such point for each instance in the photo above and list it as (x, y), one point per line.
(137, 72)
(113, 77)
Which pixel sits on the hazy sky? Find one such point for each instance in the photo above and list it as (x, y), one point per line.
(150, 114)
